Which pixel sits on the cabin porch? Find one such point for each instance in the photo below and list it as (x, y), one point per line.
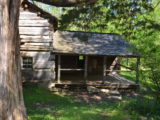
(98, 71)
(111, 81)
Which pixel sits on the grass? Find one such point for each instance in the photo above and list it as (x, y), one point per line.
(64, 107)
(44, 105)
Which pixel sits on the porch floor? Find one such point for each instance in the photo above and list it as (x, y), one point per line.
(110, 82)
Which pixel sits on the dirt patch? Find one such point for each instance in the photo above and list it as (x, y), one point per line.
(87, 97)
(42, 105)
(99, 97)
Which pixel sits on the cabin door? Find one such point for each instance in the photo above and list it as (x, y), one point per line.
(95, 65)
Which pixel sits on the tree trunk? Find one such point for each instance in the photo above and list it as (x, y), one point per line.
(67, 3)
(11, 96)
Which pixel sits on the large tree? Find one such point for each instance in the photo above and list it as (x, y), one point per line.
(11, 96)
(67, 3)
(11, 99)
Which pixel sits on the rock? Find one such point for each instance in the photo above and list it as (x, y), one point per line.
(115, 97)
(92, 89)
(38, 104)
(47, 109)
(51, 85)
(114, 92)
(143, 118)
(105, 90)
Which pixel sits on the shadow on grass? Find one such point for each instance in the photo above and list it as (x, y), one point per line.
(43, 105)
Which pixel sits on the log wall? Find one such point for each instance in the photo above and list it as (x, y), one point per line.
(36, 35)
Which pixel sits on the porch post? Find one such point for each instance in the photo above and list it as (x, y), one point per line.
(59, 69)
(137, 70)
(104, 68)
(86, 68)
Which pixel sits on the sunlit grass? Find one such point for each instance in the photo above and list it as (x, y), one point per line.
(64, 107)
(44, 105)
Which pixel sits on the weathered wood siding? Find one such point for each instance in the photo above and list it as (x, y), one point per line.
(43, 66)
(95, 63)
(36, 35)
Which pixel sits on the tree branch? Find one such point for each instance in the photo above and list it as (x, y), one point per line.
(67, 3)
(157, 5)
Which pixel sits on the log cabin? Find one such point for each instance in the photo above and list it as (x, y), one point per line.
(36, 28)
(70, 57)
(92, 58)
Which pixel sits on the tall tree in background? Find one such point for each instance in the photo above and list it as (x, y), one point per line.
(118, 16)
(67, 3)
(11, 96)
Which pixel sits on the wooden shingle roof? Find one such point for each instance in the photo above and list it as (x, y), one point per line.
(86, 43)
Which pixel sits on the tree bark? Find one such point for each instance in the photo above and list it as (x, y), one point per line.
(11, 96)
(67, 3)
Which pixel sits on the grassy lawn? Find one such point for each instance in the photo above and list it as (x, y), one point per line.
(44, 105)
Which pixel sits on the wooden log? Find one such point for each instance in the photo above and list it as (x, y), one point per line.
(37, 40)
(31, 37)
(35, 48)
(37, 44)
(104, 68)
(27, 13)
(86, 69)
(40, 59)
(34, 23)
(29, 16)
(71, 69)
(35, 31)
(114, 63)
(59, 69)
(39, 56)
(43, 65)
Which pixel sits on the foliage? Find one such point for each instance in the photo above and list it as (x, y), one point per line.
(149, 45)
(105, 16)
(136, 20)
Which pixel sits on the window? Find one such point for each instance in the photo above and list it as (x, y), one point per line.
(27, 62)
(81, 58)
